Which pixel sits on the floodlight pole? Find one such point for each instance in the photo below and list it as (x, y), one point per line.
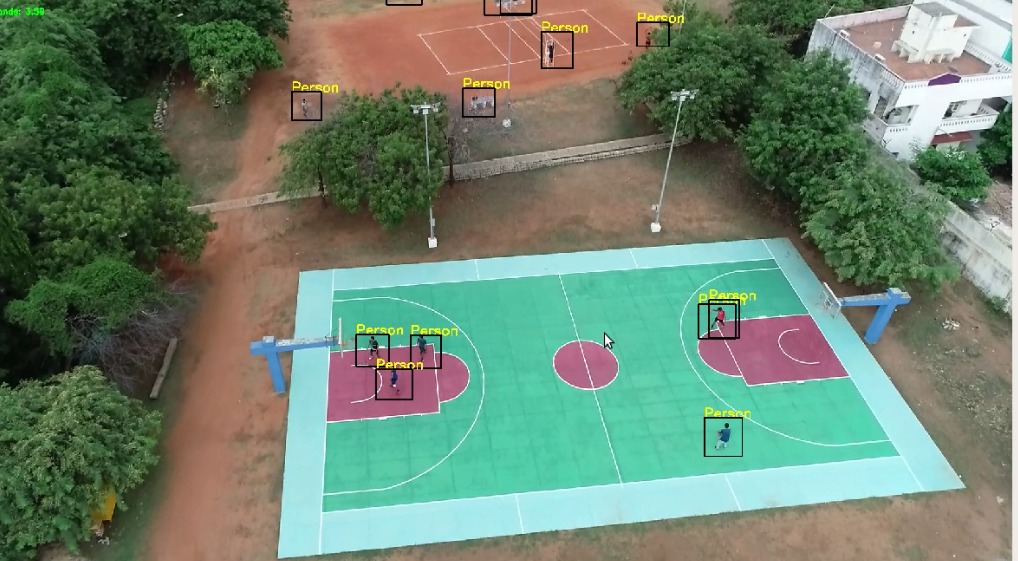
(680, 96)
(509, 65)
(426, 109)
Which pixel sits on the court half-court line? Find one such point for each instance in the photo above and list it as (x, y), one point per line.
(597, 401)
(682, 319)
(854, 383)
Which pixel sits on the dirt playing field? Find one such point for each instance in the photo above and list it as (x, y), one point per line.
(222, 456)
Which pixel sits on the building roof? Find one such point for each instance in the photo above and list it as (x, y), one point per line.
(868, 36)
(935, 9)
(949, 138)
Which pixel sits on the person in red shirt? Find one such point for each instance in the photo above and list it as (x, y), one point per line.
(719, 320)
(646, 40)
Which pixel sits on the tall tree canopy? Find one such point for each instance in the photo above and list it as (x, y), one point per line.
(956, 174)
(729, 67)
(65, 442)
(877, 231)
(372, 150)
(995, 148)
(807, 124)
(225, 55)
(101, 213)
(793, 20)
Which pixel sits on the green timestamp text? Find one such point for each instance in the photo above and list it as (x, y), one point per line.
(26, 11)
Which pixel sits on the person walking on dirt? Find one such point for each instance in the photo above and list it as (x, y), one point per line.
(304, 107)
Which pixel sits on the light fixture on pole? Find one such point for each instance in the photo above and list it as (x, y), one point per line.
(426, 109)
(681, 97)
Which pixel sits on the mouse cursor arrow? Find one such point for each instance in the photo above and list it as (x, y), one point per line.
(608, 342)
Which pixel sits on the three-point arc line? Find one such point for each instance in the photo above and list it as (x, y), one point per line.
(782, 349)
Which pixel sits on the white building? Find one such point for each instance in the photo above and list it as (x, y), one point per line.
(934, 72)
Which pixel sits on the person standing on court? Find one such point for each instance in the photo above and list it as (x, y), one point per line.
(719, 320)
(422, 345)
(724, 435)
(373, 348)
(395, 378)
(551, 53)
(304, 107)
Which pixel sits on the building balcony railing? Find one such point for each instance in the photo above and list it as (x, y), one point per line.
(878, 129)
(984, 119)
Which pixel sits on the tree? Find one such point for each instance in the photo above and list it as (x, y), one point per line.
(793, 20)
(225, 55)
(17, 268)
(995, 147)
(101, 213)
(56, 118)
(87, 302)
(134, 37)
(875, 230)
(65, 442)
(730, 68)
(371, 150)
(808, 124)
(954, 173)
(267, 17)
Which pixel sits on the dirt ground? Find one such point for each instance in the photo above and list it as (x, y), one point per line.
(223, 451)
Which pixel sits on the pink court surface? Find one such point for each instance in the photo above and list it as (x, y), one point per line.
(773, 350)
(357, 392)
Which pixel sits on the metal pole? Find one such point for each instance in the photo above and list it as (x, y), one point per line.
(427, 108)
(681, 97)
(509, 64)
(427, 160)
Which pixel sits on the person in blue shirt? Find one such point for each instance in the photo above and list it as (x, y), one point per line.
(393, 380)
(422, 345)
(724, 435)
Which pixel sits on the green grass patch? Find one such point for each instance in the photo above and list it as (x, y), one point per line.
(203, 140)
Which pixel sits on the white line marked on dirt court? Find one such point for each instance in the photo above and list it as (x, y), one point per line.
(495, 23)
(433, 53)
(606, 28)
(493, 44)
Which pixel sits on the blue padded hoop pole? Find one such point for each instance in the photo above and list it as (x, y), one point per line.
(270, 348)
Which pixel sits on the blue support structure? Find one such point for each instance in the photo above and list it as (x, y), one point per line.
(270, 348)
(885, 304)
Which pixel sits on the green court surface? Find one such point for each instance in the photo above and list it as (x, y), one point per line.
(522, 418)
(535, 432)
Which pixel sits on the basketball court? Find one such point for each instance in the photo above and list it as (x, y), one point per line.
(580, 390)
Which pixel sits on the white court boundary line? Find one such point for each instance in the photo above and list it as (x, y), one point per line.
(854, 383)
(682, 319)
(479, 279)
(492, 44)
(881, 459)
(597, 401)
(473, 423)
(790, 357)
